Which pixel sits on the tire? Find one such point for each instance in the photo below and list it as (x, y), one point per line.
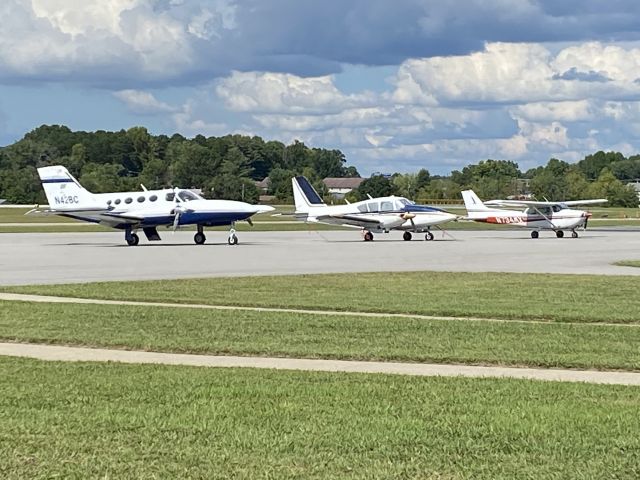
(232, 240)
(199, 238)
(133, 240)
(535, 234)
(368, 237)
(574, 234)
(406, 236)
(428, 236)
(559, 234)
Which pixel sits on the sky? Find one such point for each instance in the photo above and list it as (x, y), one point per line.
(396, 85)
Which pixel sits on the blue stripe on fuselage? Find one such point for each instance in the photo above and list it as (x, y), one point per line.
(422, 208)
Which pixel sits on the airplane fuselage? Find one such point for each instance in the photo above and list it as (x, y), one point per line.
(563, 219)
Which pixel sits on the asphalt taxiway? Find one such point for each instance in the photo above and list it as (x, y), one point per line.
(40, 258)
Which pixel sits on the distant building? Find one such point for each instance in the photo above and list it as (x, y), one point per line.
(339, 187)
(2, 200)
(263, 185)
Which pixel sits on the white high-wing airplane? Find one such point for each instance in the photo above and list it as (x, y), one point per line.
(380, 214)
(556, 216)
(146, 210)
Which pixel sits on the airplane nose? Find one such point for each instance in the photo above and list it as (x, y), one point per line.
(263, 208)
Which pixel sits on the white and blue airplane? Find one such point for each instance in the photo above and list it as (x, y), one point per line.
(145, 210)
(375, 214)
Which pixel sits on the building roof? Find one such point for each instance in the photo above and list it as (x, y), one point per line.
(264, 183)
(343, 183)
(635, 185)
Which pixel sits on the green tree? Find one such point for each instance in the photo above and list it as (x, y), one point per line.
(609, 187)
(376, 186)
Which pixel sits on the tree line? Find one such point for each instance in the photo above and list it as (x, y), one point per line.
(227, 167)
(601, 175)
(222, 167)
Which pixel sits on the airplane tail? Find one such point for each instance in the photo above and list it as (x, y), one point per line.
(64, 192)
(472, 202)
(305, 196)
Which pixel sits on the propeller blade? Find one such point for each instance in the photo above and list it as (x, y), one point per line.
(176, 221)
(249, 221)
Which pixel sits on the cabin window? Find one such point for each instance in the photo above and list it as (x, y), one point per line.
(108, 202)
(386, 206)
(373, 206)
(170, 196)
(362, 208)
(128, 200)
(153, 198)
(556, 208)
(117, 202)
(141, 199)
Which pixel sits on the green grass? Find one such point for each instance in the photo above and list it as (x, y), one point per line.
(322, 336)
(77, 420)
(587, 298)
(628, 263)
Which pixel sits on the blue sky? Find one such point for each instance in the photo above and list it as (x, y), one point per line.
(398, 86)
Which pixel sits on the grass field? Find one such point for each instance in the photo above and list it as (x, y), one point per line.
(577, 298)
(65, 420)
(322, 336)
(628, 263)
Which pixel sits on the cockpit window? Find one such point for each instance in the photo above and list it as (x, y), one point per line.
(187, 196)
(372, 206)
(404, 202)
(362, 208)
(170, 196)
(556, 208)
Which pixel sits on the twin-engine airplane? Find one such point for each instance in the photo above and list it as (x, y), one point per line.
(146, 210)
(556, 216)
(376, 214)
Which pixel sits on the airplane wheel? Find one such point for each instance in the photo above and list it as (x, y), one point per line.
(232, 240)
(574, 234)
(428, 236)
(199, 238)
(406, 236)
(368, 237)
(133, 240)
(534, 234)
(559, 234)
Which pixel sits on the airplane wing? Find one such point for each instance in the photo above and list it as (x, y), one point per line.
(585, 202)
(534, 203)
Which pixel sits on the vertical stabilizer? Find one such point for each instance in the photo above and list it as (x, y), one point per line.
(472, 202)
(64, 192)
(305, 195)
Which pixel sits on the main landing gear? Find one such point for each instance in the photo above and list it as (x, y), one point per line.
(428, 236)
(199, 237)
(406, 236)
(368, 236)
(131, 238)
(535, 234)
(574, 234)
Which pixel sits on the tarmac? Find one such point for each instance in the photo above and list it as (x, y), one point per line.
(46, 258)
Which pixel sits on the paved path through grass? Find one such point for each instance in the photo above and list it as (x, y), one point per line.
(79, 354)
(23, 297)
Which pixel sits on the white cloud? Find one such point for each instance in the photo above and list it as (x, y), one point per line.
(521, 73)
(143, 103)
(281, 92)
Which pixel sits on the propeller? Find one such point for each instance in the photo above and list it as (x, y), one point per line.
(409, 216)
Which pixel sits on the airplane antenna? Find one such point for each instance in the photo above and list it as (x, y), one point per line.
(347, 201)
(144, 189)
(370, 197)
